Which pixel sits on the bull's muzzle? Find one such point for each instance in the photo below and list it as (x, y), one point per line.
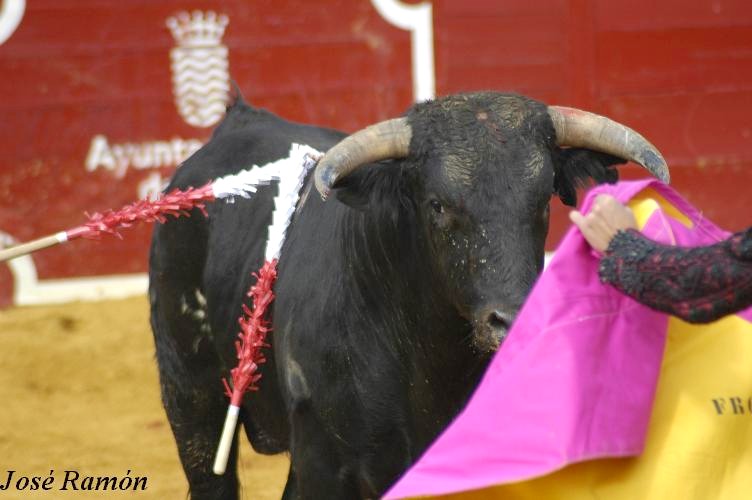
(491, 326)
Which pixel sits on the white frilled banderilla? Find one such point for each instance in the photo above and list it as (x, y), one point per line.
(179, 202)
(290, 172)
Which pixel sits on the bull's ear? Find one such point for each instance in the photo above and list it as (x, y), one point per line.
(367, 184)
(576, 167)
(353, 190)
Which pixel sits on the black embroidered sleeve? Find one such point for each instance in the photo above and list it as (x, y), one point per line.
(698, 285)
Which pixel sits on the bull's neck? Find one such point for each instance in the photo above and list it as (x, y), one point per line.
(388, 270)
(401, 314)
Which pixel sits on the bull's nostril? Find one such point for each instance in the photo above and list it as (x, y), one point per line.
(499, 321)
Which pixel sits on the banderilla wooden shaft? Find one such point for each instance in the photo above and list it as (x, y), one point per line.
(32, 246)
(225, 441)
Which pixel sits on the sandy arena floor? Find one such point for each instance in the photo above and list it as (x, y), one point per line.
(79, 391)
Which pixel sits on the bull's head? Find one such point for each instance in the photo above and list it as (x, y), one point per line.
(482, 168)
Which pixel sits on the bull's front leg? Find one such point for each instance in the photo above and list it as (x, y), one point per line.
(342, 458)
(291, 487)
(340, 465)
(320, 469)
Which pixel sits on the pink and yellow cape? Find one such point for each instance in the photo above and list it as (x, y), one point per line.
(593, 395)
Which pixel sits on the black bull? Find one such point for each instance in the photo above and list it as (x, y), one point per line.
(390, 298)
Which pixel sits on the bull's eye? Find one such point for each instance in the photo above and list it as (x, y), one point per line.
(436, 206)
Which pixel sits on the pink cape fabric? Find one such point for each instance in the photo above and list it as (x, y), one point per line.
(576, 378)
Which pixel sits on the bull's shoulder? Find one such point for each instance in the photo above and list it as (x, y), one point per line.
(246, 137)
(242, 118)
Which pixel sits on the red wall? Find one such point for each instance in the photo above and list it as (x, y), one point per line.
(679, 72)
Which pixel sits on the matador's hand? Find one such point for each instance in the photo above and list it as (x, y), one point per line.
(606, 217)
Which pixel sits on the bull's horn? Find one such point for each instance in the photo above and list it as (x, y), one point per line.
(387, 139)
(580, 129)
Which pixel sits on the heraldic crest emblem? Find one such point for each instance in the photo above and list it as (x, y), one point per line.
(200, 68)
